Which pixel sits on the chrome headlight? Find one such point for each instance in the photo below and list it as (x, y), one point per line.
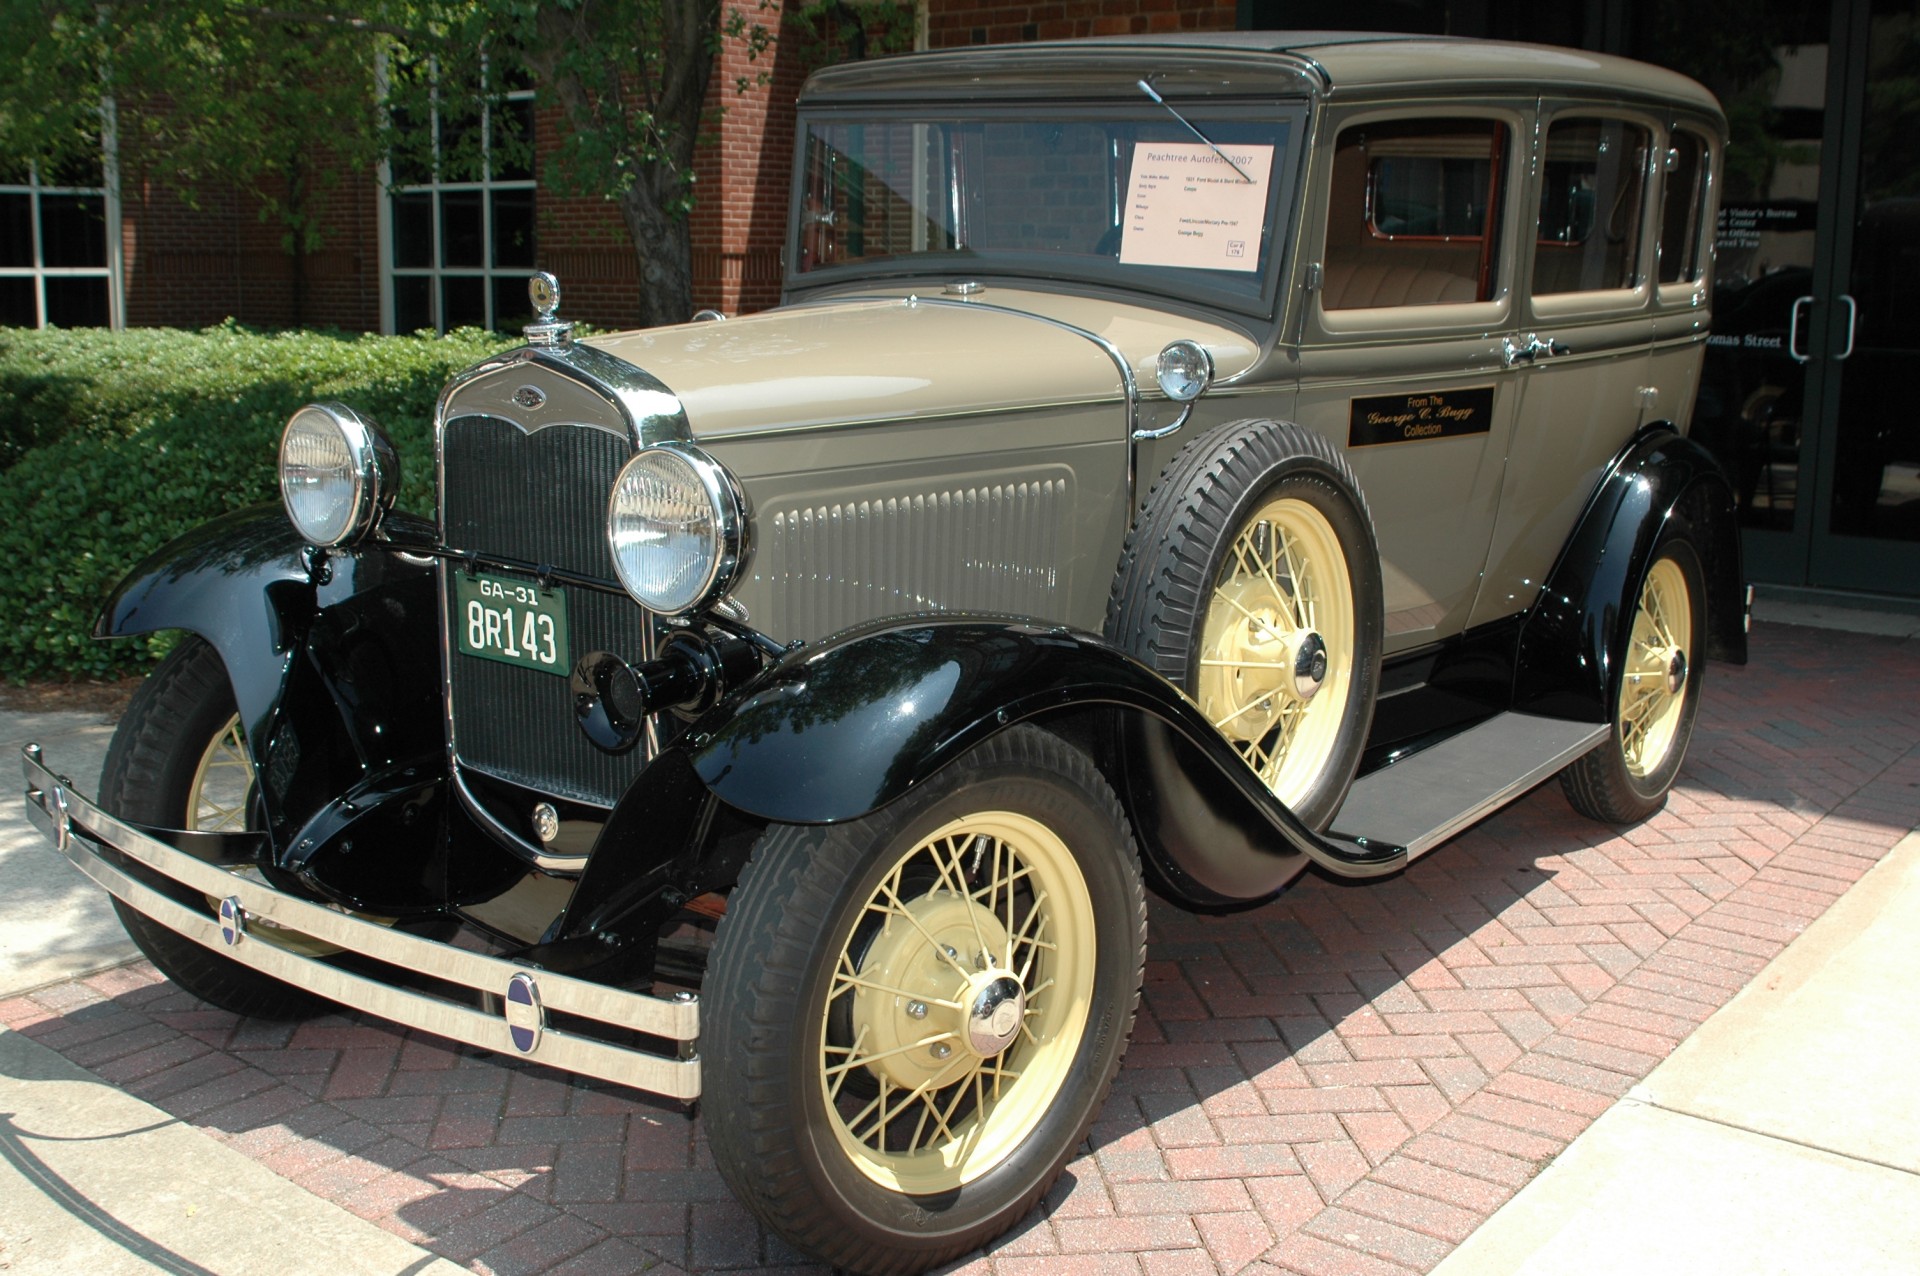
(1185, 371)
(338, 473)
(677, 523)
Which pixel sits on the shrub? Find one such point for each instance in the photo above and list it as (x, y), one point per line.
(112, 444)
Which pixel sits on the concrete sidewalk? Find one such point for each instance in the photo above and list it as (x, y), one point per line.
(95, 1180)
(1783, 1136)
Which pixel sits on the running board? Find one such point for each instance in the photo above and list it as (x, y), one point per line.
(1423, 801)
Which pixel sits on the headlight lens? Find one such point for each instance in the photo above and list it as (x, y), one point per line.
(677, 524)
(338, 473)
(1185, 371)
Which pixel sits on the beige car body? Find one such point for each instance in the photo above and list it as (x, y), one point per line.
(894, 439)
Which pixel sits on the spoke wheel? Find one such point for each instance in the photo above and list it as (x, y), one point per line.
(954, 1013)
(222, 784)
(179, 760)
(913, 1017)
(1626, 778)
(1276, 651)
(1251, 580)
(1653, 686)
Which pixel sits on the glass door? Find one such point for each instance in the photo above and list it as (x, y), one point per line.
(1866, 525)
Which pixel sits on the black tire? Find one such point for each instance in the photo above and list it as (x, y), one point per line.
(174, 721)
(810, 908)
(1627, 776)
(1179, 594)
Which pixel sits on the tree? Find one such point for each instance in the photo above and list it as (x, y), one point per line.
(279, 101)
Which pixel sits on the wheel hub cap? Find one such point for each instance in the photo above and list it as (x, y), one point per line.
(1259, 663)
(996, 1009)
(963, 1005)
(1676, 672)
(1309, 665)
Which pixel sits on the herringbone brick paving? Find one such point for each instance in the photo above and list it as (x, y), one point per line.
(1347, 1080)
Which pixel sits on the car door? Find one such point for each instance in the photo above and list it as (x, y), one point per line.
(1581, 354)
(1400, 354)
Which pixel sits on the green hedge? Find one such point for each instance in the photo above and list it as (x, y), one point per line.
(112, 444)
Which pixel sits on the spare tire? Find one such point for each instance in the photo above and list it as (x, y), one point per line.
(1251, 581)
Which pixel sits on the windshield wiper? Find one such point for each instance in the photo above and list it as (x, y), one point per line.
(1148, 90)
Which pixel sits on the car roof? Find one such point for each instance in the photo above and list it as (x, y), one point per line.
(1328, 64)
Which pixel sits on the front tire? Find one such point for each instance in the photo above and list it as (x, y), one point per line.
(179, 761)
(1626, 778)
(914, 1016)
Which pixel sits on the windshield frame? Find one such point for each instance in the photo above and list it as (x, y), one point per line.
(1181, 285)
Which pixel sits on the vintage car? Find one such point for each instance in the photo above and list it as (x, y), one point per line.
(1176, 461)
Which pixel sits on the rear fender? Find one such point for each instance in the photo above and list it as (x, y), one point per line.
(1661, 484)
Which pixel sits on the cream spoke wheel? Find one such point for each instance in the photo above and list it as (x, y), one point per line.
(222, 783)
(1658, 694)
(1277, 646)
(958, 1002)
(1653, 686)
(916, 1012)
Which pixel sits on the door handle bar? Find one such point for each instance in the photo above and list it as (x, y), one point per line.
(1793, 331)
(1853, 315)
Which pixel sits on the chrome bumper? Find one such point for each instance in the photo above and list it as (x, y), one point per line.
(80, 830)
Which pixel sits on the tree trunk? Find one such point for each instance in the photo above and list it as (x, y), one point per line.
(659, 154)
(664, 246)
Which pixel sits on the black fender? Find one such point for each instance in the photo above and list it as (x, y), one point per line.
(335, 666)
(835, 731)
(1661, 484)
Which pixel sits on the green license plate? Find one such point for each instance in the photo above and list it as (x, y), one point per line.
(511, 620)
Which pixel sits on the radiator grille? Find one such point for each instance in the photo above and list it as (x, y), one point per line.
(541, 498)
(991, 548)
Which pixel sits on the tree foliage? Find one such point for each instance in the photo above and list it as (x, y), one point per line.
(277, 101)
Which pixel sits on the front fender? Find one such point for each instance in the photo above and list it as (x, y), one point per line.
(242, 583)
(335, 669)
(1662, 483)
(842, 729)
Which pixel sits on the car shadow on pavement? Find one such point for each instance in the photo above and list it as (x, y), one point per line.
(1373, 1067)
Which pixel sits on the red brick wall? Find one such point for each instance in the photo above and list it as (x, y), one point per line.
(189, 266)
(953, 22)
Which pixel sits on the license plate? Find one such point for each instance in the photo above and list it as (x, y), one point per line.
(511, 620)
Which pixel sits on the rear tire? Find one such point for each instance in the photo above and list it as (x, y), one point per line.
(179, 761)
(1655, 699)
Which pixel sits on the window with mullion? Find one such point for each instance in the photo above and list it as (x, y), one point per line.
(54, 262)
(462, 229)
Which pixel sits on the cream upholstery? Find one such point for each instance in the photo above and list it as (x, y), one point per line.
(1397, 275)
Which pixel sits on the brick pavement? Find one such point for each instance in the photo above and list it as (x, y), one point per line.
(1347, 1080)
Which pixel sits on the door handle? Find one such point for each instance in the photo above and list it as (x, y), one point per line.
(1793, 332)
(1512, 352)
(1853, 316)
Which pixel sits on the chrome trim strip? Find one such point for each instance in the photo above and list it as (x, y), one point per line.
(541, 858)
(52, 805)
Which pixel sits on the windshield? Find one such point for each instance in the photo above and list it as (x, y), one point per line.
(1129, 197)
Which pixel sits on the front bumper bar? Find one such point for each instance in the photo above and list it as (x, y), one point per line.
(84, 834)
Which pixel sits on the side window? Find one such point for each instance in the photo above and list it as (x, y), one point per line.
(1590, 201)
(1681, 259)
(1413, 213)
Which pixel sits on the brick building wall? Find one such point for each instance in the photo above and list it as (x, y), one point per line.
(958, 22)
(191, 266)
(187, 266)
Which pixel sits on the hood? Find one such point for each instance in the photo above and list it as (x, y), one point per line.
(846, 362)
